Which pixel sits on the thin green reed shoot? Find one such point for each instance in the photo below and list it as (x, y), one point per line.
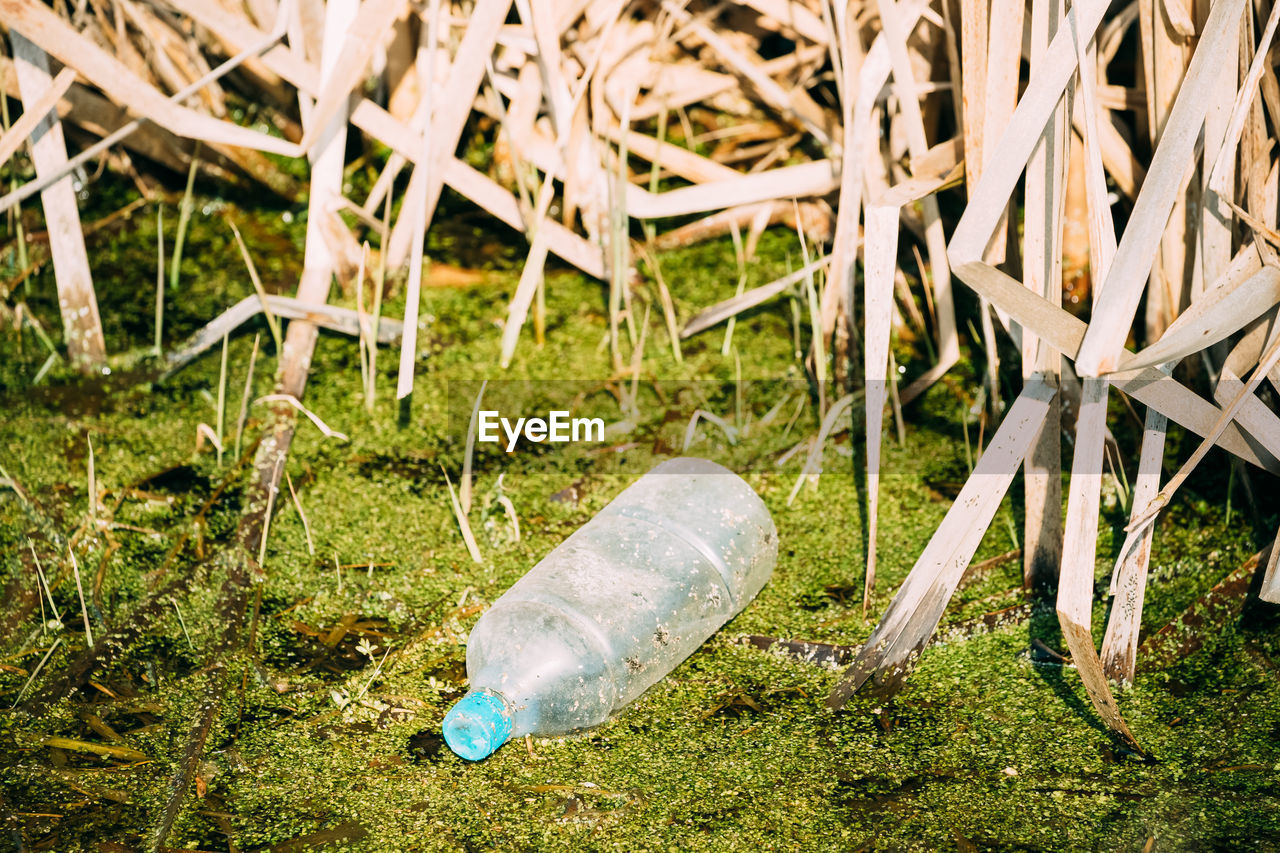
(159, 279)
(222, 399)
(248, 391)
(740, 254)
(362, 337)
(655, 171)
(184, 220)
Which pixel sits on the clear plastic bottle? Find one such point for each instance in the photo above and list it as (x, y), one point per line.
(615, 607)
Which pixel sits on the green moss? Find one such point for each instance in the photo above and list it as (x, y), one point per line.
(984, 745)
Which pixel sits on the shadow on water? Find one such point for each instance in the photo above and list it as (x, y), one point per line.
(1043, 626)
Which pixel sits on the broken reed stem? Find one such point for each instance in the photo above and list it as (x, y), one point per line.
(44, 582)
(1162, 499)
(15, 212)
(183, 623)
(310, 415)
(617, 268)
(272, 488)
(84, 610)
(306, 527)
(668, 305)
(415, 208)
(92, 486)
(463, 525)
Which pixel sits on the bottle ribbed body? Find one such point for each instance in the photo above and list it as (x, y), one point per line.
(625, 599)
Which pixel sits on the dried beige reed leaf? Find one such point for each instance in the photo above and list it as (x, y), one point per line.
(342, 320)
(34, 113)
(43, 27)
(1247, 291)
(735, 305)
(1254, 415)
(565, 104)
(1269, 361)
(359, 45)
(296, 404)
(1270, 588)
(112, 122)
(1103, 345)
(319, 262)
(464, 526)
(1003, 71)
(1245, 98)
(1080, 530)
(912, 617)
(898, 20)
(409, 235)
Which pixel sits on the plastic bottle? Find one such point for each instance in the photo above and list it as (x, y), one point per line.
(615, 607)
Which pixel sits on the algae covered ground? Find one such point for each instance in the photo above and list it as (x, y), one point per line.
(329, 738)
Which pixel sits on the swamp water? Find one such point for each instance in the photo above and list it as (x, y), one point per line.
(329, 737)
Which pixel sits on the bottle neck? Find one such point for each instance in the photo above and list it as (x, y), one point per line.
(478, 724)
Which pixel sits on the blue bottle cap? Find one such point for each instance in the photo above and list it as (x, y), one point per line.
(476, 726)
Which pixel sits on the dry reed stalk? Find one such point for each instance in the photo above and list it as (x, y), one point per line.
(1114, 311)
(34, 112)
(1042, 272)
(896, 27)
(345, 321)
(911, 618)
(415, 216)
(82, 327)
(447, 121)
(565, 103)
(159, 315)
(464, 526)
(263, 300)
(1162, 31)
(1129, 581)
(1270, 588)
(880, 259)
(855, 104)
(1255, 415)
(1080, 531)
(297, 504)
